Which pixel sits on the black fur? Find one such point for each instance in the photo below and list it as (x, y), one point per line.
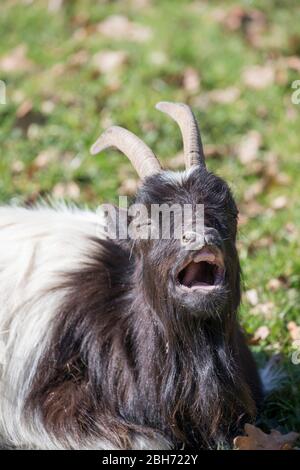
(129, 355)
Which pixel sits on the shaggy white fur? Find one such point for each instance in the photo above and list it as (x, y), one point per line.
(36, 246)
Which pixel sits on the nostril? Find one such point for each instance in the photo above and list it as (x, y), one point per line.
(212, 239)
(211, 235)
(189, 237)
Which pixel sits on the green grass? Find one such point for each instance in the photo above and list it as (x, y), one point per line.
(187, 35)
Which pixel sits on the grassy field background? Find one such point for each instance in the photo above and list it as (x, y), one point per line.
(72, 68)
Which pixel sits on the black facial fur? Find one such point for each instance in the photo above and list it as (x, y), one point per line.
(220, 217)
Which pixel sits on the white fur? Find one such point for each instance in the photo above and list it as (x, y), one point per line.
(37, 246)
(176, 177)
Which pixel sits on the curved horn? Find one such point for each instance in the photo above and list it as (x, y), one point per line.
(183, 115)
(140, 155)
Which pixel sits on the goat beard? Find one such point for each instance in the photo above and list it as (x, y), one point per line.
(200, 393)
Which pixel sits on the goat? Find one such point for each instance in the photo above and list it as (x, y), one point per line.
(125, 343)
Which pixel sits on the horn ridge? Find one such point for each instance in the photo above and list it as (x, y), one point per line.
(185, 118)
(141, 156)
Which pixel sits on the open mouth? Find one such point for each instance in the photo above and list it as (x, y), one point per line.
(205, 271)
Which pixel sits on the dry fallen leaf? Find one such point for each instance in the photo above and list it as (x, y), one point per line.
(191, 80)
(269, 170)
(239, 17)
(291, 228)
(294, 330)
(47, 107)
(271, 173)
(265, 309)
(45, 157)
(217, 150)
(260, 335)
(242, 219)
(290, 113)
(279, 203)
(269, 176)
(16, 61)
(109, 61)
(248, 148)
(158, 58)
(225, 96)
(293, 62)
(24, 109)
(255, 167)
(201, 101)
(70, 189)
(29, 120)
(18, 96)
(120, 27)
(250, 22)
(256, 439)
(78, 59)
(254, 190)
(259, 77)
(17, 167)
(220, 96)
(140, 3)
(276, 283)
(252, 297)
(57, 70)
(252, 209)
(282, 179)
(262, 242)
(148, 126)
(55, 5)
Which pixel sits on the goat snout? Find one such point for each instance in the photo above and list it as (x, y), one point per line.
(192, 240)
